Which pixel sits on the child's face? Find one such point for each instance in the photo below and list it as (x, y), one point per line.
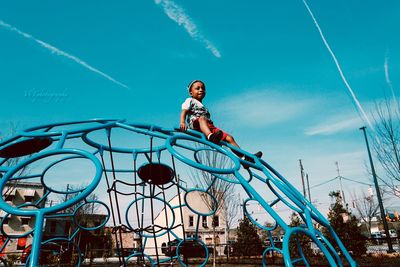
(198, 91)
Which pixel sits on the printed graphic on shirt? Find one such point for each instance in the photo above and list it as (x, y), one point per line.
(196, 110)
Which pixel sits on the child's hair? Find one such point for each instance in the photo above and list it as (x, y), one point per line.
(195, 81)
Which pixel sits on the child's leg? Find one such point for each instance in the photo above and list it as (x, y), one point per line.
(231, 141)
(213, 136)
(203, 124)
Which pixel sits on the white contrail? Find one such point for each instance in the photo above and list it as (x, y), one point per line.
(338, 67)
(59, 52)
(177, 14)
(389, 82)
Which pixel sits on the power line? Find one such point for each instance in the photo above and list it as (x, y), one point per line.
(338, 177)
(328, 181)
(354, 181)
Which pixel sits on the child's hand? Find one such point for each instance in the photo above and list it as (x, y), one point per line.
(182, 126)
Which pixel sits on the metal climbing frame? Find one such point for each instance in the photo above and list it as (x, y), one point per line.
(142, 192)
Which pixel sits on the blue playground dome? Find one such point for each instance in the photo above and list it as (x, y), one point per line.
(136, 178)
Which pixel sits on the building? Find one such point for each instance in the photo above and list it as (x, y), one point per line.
(194, 224)
(130, 240)
(67, 226)
(14, 226)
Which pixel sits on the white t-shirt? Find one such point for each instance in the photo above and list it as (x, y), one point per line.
(196, 110)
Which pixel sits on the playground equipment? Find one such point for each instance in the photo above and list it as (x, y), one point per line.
(135, 175)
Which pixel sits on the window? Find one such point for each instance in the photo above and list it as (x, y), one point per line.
(25, 221)
(53, 226)
(9, 194)
(9, 198)
(217, 240)
(29, 194)
(28, 198)
(204, 221)
(164, 247)
(191, 220)
(66, 227)
(216, 221)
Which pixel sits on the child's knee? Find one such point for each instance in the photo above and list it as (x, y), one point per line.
(229, 139)
(202, 119)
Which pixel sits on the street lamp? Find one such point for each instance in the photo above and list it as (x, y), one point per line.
(378, 194)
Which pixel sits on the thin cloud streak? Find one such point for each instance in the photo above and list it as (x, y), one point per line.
(59, 52)
(389, 82)
(177, 14)
(262, 107)
(364, 115)
(334, 126)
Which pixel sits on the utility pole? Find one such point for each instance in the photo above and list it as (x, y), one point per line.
(378, 194)
(243, 206)
(308, 187)
(341, 185)
(66, 195)
(302, 177)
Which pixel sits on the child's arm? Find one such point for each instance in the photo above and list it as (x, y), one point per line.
(182, 124)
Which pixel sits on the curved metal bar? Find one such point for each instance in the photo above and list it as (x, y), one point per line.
(267, 250)
(140, 254)
(41, 212)
(211, 212)
(332, 249)
(4, 205)
(172, 140)
(163, 230)
(30, 258)
(52, 165)
(176, 144)
(181, 243)
(297, 209)
(95, 227)
(286, 250)
(92, 143)
(17, 235)
(296, 194)
(104, 123)
(342, 248)
(254, 194)
(248, 215)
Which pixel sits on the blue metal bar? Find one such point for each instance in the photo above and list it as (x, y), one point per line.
(174, 143)
(63, 137)
(37, 240)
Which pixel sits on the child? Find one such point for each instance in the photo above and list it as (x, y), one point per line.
(198, 117)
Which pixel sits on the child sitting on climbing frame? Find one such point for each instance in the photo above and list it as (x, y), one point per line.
(198, 118)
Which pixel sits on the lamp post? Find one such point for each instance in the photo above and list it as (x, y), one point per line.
(378, 194)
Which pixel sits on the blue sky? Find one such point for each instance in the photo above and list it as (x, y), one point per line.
(271, 80)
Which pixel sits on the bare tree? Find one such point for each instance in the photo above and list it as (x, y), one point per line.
(367, 208)
(221, 189)
(386, 143)
(231, 209)
(89, 208)
(85, 213)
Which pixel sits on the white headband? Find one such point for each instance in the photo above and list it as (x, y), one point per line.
(192, 82)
